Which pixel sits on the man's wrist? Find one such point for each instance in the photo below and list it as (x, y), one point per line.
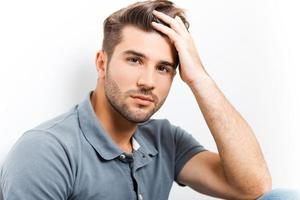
(202, 78)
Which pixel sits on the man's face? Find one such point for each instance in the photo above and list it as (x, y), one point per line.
(139, 74)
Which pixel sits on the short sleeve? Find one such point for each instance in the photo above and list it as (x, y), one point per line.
(36, 168)
(186, 147)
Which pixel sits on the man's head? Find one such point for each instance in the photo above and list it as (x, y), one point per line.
(137, 64)
(140, 16)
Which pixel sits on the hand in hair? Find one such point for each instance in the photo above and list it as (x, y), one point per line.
(190, 67)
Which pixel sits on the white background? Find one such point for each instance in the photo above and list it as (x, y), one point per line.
(250, 48)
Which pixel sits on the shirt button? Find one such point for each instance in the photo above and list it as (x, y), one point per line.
(140, 197)
(122, 156)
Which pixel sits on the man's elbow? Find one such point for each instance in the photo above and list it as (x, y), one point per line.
(260, 188)
(263, 188)
(256, 189)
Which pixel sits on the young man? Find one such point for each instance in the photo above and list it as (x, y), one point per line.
(107, 147)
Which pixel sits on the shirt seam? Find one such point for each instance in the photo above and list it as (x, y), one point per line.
(56, 123)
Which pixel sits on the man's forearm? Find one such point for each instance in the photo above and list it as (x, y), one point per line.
(240, 153)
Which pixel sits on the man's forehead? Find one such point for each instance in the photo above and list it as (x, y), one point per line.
(149, 44)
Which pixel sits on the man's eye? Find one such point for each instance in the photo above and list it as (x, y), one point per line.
(163, 69)
(134, 60)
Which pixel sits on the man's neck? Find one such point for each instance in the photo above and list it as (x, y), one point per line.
(118, 128)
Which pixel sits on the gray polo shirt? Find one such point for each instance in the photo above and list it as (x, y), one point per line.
(72, 157)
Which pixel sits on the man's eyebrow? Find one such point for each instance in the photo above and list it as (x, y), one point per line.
(132, 52)
(139, 54)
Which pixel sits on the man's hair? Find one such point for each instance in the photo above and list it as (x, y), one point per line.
(138, 15)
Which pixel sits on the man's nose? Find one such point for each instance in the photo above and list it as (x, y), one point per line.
(147, 78)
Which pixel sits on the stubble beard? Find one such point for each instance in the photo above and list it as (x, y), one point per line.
(118, 101)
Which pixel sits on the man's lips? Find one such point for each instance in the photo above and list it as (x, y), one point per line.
(144, 100)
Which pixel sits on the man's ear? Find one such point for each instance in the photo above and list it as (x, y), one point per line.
(101, 63)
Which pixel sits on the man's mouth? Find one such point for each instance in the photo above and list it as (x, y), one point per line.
(144, 100)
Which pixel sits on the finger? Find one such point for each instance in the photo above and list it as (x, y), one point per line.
(182, 24)
(174, 24)
(166, 30)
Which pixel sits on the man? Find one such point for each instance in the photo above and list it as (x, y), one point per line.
(107, 147)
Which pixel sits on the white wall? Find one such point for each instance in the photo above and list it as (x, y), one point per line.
(250, 48)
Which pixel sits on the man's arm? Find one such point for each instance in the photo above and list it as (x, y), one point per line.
(239, 170)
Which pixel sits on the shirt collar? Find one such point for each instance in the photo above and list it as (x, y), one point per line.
(100, 140)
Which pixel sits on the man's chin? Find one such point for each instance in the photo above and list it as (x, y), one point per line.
(139, 122)
(138, 118)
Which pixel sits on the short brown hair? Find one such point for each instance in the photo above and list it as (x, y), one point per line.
(139, 15)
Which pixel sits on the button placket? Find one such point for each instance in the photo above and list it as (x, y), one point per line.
(141, 159)
(126, 168)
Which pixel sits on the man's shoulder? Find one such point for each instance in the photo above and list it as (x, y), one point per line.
(62, 120)
(45, 155)
(54, 138)
(64, 128)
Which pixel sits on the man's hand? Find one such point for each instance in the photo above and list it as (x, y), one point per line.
(190, 67)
